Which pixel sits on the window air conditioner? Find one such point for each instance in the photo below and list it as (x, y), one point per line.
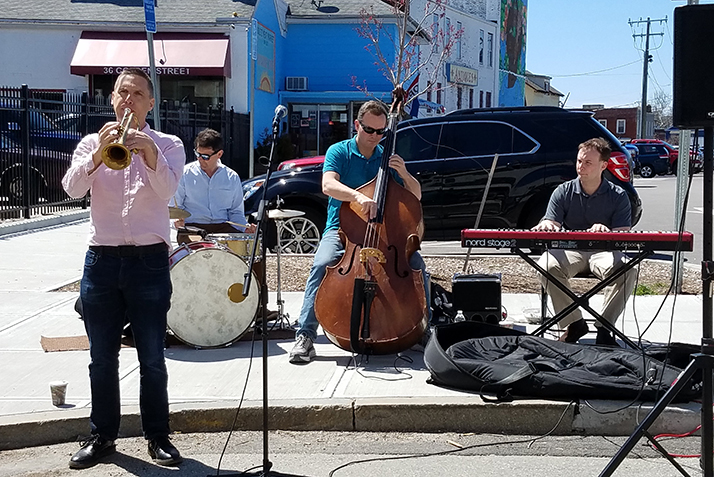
(296, 83)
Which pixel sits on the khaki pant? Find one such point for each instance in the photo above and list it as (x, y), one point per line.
(565, 264)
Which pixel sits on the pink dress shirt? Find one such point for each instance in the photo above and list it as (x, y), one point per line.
(129, 206)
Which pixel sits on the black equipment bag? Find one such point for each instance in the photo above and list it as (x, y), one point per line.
(489, 359)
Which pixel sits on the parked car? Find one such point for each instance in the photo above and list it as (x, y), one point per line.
(81, 124)
(302, 162)
(696, 160)
(46, 171)
(634, 154)
(44, 133)
(653, 159)
(672, 153)
(451, 156)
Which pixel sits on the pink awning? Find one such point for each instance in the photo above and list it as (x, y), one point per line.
(99, 53)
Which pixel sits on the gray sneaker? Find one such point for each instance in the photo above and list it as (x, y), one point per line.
(303, 351)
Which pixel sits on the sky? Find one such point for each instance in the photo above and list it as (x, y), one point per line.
(587, 46)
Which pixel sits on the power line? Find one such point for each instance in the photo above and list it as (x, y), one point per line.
(595, 72)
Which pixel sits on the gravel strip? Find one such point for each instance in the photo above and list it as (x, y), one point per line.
(517, 276)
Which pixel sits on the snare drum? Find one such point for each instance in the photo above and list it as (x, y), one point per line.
(202, 312)
(241, 244)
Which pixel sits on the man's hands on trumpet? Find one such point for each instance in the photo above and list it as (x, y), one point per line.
(145, 146)
(135, 140)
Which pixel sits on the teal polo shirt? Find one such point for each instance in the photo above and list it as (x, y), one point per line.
(354, 170)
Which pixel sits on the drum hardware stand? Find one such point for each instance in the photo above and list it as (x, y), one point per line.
(279, 216)
(703, 360)
(262, 229)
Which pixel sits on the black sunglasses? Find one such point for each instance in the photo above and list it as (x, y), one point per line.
(205, 157)
(370, 130)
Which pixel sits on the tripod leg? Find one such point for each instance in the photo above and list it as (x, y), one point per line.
(668, 397)
(665, 454)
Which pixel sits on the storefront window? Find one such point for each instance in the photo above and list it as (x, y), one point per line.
(205, 91)
(315, 127)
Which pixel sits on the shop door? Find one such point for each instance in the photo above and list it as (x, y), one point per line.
(315, 127)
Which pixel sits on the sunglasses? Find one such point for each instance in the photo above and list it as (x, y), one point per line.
(370, 130)
(205, 157)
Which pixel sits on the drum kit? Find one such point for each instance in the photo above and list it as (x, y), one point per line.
(208, 306)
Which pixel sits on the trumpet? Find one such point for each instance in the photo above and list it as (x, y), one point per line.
(116, 156)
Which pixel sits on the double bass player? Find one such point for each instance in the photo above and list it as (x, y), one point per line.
(348, 165)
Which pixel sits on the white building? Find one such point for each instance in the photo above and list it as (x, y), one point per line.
(469, 76)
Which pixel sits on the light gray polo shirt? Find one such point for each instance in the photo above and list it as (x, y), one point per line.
(575, 210)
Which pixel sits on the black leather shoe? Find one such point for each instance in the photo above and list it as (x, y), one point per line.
(92, 451)
(163, 451)
(574, 331)
(604, 337)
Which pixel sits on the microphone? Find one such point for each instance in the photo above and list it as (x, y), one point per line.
(280, 112)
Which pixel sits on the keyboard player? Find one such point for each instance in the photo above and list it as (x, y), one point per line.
(588, 202)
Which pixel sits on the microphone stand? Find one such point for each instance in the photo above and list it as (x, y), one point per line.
(262, 229)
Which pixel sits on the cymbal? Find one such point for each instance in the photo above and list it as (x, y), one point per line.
(280, 214)
(177, 213)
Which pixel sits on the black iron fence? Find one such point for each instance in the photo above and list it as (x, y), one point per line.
(40, 129)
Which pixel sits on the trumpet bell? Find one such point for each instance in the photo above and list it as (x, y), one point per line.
(116, 156)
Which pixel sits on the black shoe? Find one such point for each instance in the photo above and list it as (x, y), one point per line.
(604, 337)
(93, 449)
(163, 451)
(574, 331)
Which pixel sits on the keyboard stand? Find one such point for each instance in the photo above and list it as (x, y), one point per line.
(582, 301)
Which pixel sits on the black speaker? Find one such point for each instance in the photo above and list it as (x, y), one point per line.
(693, 102)
(478, 296)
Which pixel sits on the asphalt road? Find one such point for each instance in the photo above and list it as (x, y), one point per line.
(301, 454)
(658, 196)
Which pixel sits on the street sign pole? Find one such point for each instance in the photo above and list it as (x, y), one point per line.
(150, 22)
(253, 56)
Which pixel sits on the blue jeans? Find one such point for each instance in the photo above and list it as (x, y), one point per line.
(138, 288)
(329, 253)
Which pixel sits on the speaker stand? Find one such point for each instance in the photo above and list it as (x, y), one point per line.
(701, 360)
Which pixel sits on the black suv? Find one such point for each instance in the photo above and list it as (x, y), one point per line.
(451, 156)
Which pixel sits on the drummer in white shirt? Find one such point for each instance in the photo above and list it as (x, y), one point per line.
(210, 191)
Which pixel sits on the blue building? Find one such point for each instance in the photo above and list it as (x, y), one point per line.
(324, 62)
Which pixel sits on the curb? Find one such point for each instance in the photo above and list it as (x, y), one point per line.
(24, 225)
(452, 414)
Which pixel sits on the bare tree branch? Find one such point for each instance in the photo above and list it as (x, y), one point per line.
(412, 38)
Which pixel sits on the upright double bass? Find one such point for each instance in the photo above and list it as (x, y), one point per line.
(373, 301)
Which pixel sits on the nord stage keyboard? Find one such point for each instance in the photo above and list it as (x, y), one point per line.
(578, 240)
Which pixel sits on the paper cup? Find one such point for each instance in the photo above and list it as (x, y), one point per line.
(58, 389)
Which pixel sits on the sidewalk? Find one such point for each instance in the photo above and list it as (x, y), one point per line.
(205, 386)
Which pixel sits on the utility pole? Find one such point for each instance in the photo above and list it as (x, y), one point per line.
(647, 59)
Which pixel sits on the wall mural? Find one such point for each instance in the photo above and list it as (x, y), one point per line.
(513, 53)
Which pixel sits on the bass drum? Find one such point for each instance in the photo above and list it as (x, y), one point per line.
(208, 309)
